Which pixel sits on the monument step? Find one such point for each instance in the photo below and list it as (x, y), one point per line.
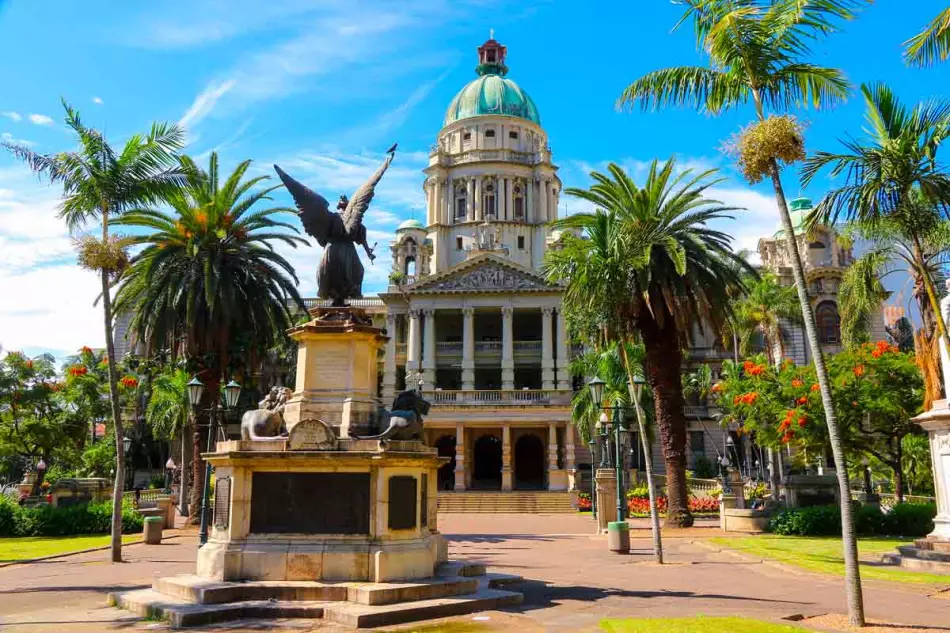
(454, 568)
(908, 551)
(196, 590)
(364, 616)
(933, 544)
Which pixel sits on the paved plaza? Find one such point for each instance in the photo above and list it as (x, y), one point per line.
(571, 581)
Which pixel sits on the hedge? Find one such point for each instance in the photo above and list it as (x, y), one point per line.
(904, 519)
(92, 518)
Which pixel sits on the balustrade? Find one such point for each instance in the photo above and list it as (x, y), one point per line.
(516, 397)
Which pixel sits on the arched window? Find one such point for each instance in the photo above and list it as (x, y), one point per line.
(828, 322)
(518, 200)
(488, 200)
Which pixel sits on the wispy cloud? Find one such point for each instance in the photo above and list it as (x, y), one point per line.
(204, 103)
(13, 116)
(97, 100)
(6, 137)
(40, 119)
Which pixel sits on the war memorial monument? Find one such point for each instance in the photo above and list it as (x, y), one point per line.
(331, 514)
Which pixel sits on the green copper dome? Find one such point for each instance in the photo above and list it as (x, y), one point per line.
(410, 224)
(798, 210)
(492, 94)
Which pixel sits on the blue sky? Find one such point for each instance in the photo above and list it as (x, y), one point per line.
(322, 87)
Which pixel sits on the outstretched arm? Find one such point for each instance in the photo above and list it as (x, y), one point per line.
(369, 251)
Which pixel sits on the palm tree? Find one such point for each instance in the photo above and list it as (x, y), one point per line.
(893, 180)
(757, 52)
(932, 44)
(767, 308)
(654, 270)
(100, 185)
(208, 275)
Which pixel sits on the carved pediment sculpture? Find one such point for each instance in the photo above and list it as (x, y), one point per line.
(488, 277)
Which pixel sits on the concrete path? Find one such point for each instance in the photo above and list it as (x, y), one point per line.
(572, 581)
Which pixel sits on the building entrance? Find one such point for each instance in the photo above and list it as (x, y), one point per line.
(446, 448)
(529, 463)
(486, 475)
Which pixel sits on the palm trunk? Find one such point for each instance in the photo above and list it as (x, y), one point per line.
(932, 297)
(898, 467)
(849, 542)
(647, 458)
(663, 365)
(197, 475)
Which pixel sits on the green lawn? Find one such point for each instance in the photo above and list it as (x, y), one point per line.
(694, 625)
(23, 548)
(823, 554)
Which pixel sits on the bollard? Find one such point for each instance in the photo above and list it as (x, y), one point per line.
(153, 530)
(618, 537)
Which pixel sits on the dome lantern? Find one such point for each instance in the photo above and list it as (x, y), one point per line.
(491, 57)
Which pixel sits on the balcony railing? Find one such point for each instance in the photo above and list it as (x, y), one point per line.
(527, 346)
(492, 397)
(484, 346)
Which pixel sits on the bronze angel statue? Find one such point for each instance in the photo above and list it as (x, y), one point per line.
(340, 274)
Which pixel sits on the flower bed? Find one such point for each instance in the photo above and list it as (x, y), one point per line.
(640, 506)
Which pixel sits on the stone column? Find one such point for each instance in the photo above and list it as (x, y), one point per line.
(529, 200)
(389, 364)
(506, 458)
(507, 349)
(552, 446)
(569, 446)
(509, 198)
(437, 202)
(413, 346)
(563, 354)
(937, 424)
(459, 456)
(471, 199)
(428, 357)
(468, 348)
(547, 348)
(431, 216)
(543, 200)
(479, 211)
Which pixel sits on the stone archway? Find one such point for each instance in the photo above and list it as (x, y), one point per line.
(486, 471)
(446, 447)
(529, 462)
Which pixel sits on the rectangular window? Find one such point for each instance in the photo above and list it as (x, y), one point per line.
(489, 133)
(458, 243)
(467, 136)
(697, 444)
(513, 135)
(519, 208)
(460, 209)
(521, 242)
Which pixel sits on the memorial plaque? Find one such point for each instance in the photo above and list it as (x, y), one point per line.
(287, 503)
(424, 503)
(312, 435)
(402, 503)
(222, 502)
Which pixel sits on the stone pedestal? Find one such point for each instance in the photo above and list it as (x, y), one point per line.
(361, 512)
(337, 370)
(606, 480)
(737, 486)
(802, 491)
(937, 424)
(559, 479)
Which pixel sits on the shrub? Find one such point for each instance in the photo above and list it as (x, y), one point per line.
(909, 519)
(903, 519)
(704, 468)
(93, 518)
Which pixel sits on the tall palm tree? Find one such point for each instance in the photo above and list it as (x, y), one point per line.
(100, 185)
(655, 270)
(932, 44)
(208, 275)
(892, 180)
(767, 308)
(757, 52)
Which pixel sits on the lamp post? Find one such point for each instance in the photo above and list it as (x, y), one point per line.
(618, 535)
(592, 444)
(170, 467)
(232, 392)
(618, 428)
(868, 487)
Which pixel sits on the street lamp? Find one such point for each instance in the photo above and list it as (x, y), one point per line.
(41, 465)
(604, 426)
(868, 487)
(232, 393)
(170, 467)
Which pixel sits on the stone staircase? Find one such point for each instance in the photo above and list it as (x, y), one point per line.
(456, 589)
(515, 502)
(926, 554)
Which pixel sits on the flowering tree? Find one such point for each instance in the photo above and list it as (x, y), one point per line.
(876, 388)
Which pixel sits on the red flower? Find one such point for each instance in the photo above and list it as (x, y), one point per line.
(785, 424)
(747, 365)
(797, 383)
(815, 387)
(755, 370)
(29, 364)
(803, 400)
(716, 388)
(129, 382)
(854, 403)
(78, 370)
(858, 370)
(877, 353)
(85, 350)
(802, 421)
(736, 400)
(787, 437)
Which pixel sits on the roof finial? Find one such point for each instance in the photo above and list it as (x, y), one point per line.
(491, 34)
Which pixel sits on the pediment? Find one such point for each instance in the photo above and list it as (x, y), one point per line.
(484, 274)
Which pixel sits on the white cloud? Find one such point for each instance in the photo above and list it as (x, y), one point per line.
(13, 116)
(6, 137)
(205, 102)
(40, 119)
(97, 100)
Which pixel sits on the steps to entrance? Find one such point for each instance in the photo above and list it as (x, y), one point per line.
(457, 588)
(515, 502)
(928, 554)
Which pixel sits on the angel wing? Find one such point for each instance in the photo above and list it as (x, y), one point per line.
(314, 210)
(359, 202)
